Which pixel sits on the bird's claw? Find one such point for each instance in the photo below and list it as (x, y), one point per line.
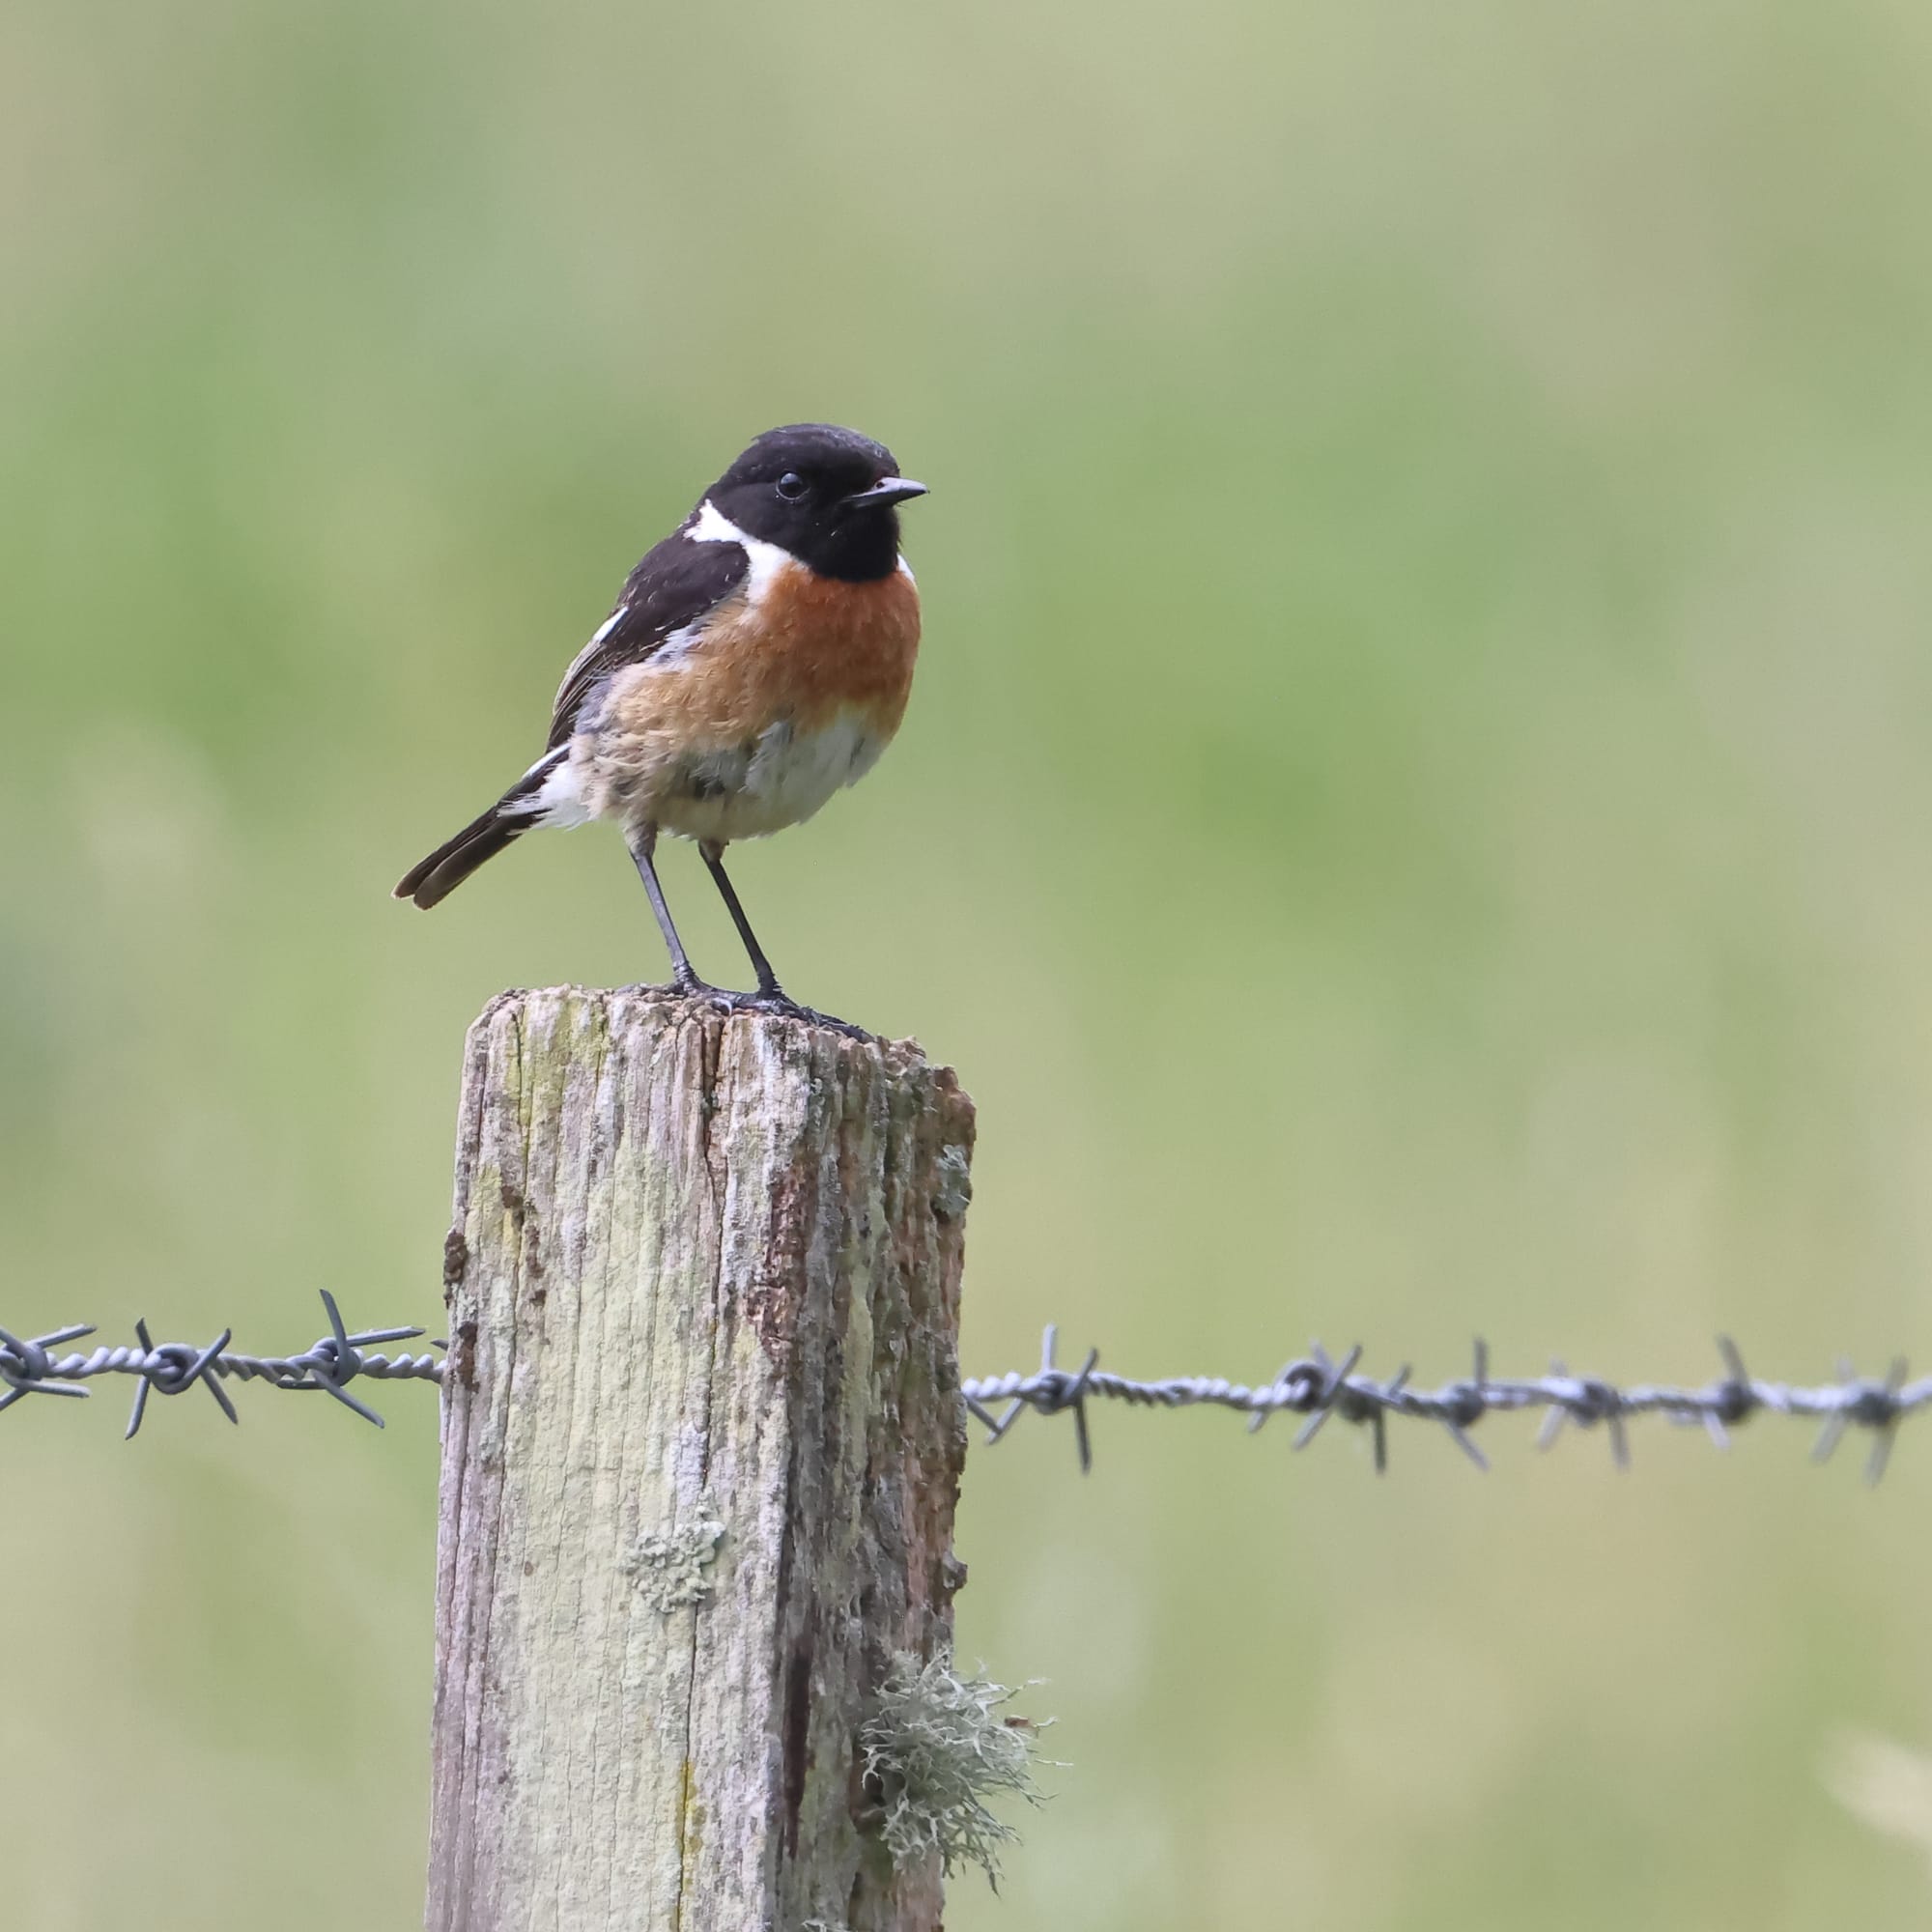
(775, 999)
(772, 1000)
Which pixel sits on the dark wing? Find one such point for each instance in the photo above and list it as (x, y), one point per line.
(679, 584)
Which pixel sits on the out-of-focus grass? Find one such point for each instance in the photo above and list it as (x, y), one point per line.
(1413, 820)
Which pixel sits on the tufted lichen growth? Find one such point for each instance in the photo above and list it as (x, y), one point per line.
(936, 1749)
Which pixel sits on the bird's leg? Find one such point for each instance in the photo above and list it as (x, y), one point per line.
(770, 997)
(768, 980)
(682, 976)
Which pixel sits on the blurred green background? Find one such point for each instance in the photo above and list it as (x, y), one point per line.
(1411, 822)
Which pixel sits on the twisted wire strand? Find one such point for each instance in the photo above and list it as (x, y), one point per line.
(27, 1367)
(1314, 1387)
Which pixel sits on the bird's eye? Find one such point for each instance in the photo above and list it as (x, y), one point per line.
(791, 486)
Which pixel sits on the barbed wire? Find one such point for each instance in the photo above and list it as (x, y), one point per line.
(1315, 1387)
(173, 1368)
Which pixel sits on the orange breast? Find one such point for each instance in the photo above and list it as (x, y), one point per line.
(812, 653)
(812, 647)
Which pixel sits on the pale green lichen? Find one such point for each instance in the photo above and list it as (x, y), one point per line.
(953, 1184)
(669, 1565)
(937, 1749)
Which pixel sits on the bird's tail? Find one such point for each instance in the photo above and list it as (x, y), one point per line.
(432, 879)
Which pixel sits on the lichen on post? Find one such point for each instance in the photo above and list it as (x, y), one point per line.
(701, 1445)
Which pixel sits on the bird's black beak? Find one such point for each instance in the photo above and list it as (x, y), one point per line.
(888, 491)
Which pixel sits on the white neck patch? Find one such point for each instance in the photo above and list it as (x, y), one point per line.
(712, 526)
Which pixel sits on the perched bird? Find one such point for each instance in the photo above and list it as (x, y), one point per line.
(759, 658)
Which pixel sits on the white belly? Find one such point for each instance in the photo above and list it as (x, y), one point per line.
(787, 775)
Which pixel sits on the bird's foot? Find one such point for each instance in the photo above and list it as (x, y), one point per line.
(775, 999)
(688, 986)
(766, 1000)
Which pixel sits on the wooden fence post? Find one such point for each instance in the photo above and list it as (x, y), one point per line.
(702, 1442)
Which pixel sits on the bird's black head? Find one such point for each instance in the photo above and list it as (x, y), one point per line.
(829, 496)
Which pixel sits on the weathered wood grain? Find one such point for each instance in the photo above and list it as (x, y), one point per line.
(702, 1445)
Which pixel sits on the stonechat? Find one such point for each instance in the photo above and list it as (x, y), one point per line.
(759, 658)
